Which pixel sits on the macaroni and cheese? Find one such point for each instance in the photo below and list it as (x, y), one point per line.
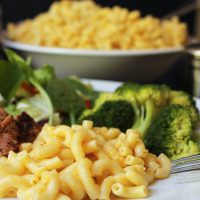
(86, 25)
(81, 162)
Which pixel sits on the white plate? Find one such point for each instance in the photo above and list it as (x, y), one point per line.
(137, 65)
(184, 186)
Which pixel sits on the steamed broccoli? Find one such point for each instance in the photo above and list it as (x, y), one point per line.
(111, 111)
(183, 98)
(171, 133)
(142, 102)
(147, 100)
(158, 93)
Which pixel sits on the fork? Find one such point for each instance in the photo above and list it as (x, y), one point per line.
(190, 6)
(189, 163)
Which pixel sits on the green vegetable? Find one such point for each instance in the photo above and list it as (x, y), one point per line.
(83, 90)
(35, 106)
(44, 74)
(65, 99)
(183, 98)
(12, 110)
(171, 133)
(148, 100)
(26, 72)
(11, 76)
(110, 111)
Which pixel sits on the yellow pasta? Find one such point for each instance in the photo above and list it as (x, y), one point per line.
(91, 146)
(66, 154)
(9, 185)
(129, 192)
(106, 187)
(25, 146)
(46, 188)
(102, 165)
(46, 148)
(164, 168)
(84, 171)
(86, 25)
(125, 151)
(85, 162)
(121, 178)
(135, 177)
(133, 160)
(62, 197)
(71, 184)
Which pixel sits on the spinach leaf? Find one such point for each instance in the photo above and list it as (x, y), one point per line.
(84, 90)
(65, 98)
(11, 76)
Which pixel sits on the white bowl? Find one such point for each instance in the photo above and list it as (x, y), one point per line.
(136, 65)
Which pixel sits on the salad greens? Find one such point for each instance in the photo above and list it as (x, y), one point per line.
(11, 76)
(39, 93)
(34, 106)
(65, 99)
(24, 73)
(44, 74)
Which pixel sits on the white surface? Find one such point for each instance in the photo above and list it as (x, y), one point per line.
(137, 65)
(183, 186)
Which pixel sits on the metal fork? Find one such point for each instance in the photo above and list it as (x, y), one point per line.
(185, 164)
(190, 6)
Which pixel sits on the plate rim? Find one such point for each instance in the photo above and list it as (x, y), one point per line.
(88, 52)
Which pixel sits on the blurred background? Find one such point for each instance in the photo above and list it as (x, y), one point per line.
(178, 76)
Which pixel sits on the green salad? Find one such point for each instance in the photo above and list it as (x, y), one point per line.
(167, 119)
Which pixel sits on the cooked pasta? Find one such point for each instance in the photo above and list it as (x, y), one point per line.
(86, 25)
(81, 165)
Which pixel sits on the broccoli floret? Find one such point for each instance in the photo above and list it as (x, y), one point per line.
(183, 98)
(144, 114)
(171, 133)
(147, 101)
(128, 89)
(158, 93)
(111, 111)
(179, 97)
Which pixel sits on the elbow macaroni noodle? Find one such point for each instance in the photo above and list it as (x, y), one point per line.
(81, 162)
(86, 25)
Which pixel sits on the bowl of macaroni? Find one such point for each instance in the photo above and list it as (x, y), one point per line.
(83, 38)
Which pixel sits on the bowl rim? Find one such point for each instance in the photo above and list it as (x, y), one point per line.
(85, 52)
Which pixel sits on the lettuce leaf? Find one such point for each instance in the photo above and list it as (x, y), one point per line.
(11, 76)
(23, 71)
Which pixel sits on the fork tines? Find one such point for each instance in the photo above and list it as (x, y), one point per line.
(189, 163)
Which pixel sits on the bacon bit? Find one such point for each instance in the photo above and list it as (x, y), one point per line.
(88, 104)
(29, 88)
